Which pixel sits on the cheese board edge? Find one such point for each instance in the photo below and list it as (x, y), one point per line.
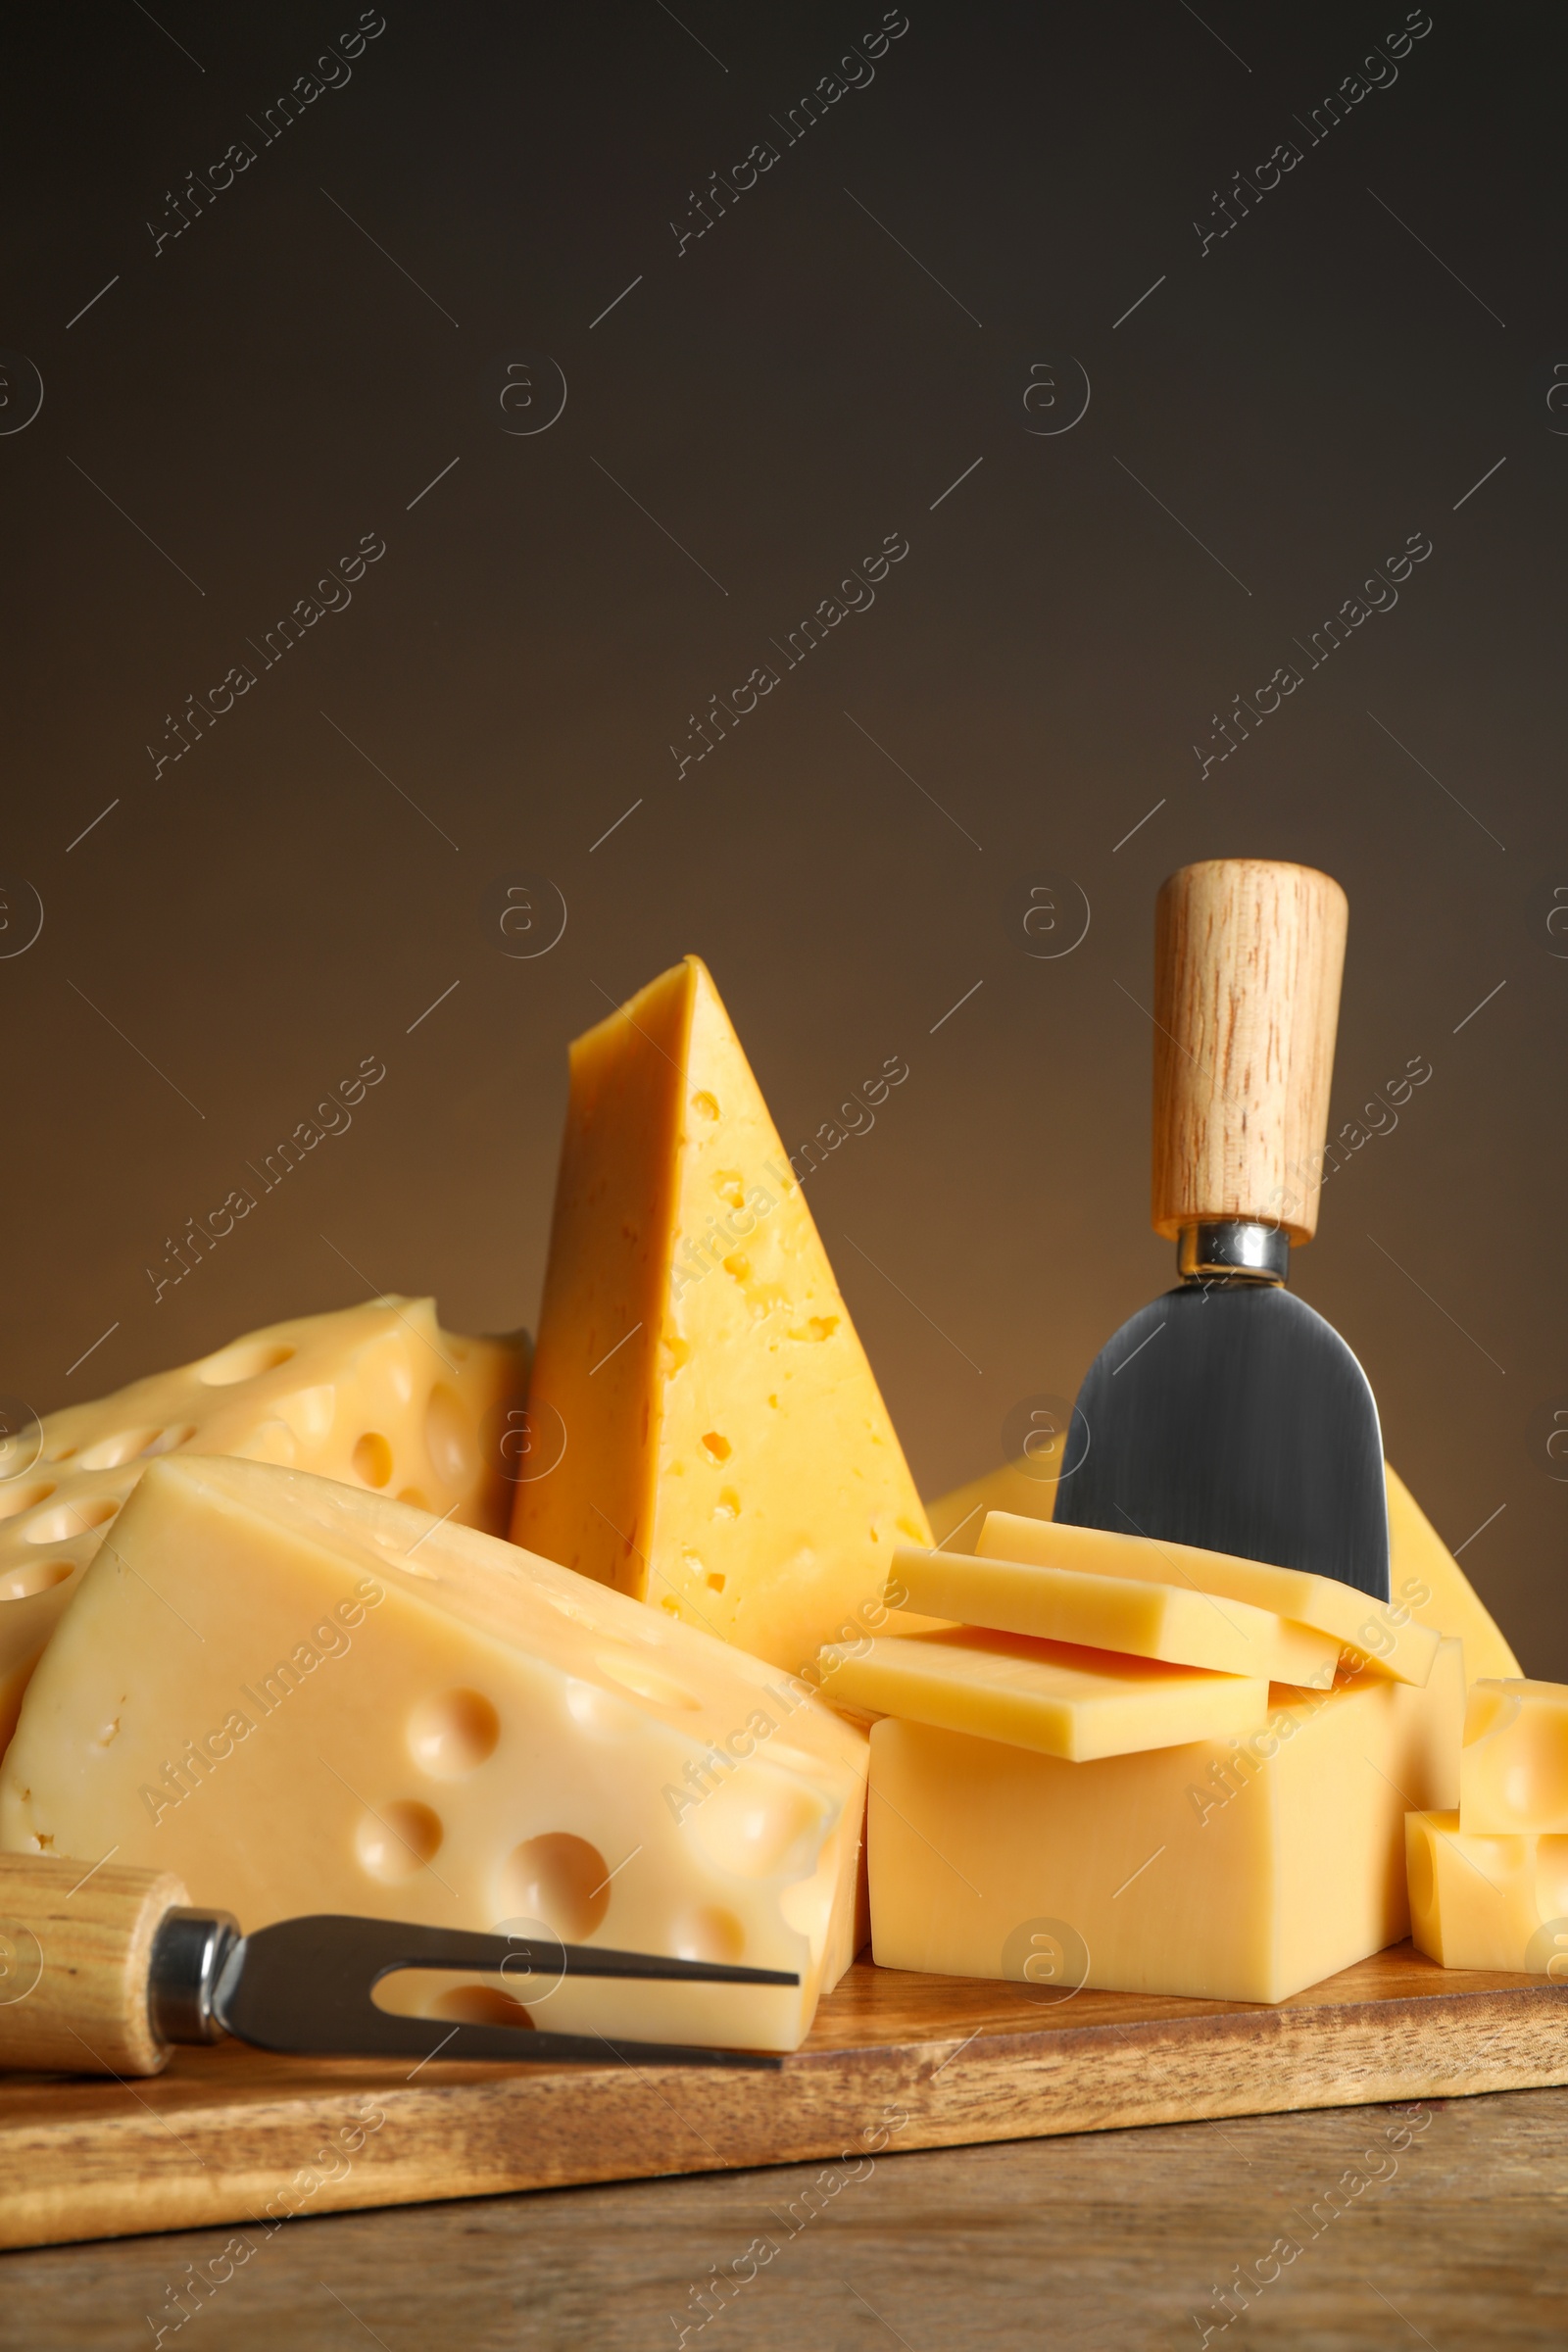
(235, 2137)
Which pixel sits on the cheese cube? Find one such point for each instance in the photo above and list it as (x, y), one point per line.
(1169, 1622)
(302, 1698)
(379, 1396)
(727, 1455)
(1424, 1576)
(1386, 1637)
(1052, 1696)
(1513, 1768)
(1228, 1869)
(1487, 1902)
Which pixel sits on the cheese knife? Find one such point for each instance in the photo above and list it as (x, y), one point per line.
(1228, 1414)
(103, 1969)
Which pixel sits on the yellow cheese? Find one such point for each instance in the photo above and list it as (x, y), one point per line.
(1387, 1637)
(1487, 1902)
(1228, 1869)
(1055, 1697)
(1420, 1562)
(303, 1697)
(727, 1455)
(1169, 1622)
(1016, 1487)
(379, 1396)
(1513, 1770)
(1424, 1576)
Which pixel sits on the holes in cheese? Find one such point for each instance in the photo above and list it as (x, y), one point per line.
(560, 1879)
(728, 1456)
(372, 1459)
(453, 1733)
(133, 1444)
(15, 1499)
(246, 1359)
(372, 1392)
(327, 1701)
(392, 1841)
(68, 1520)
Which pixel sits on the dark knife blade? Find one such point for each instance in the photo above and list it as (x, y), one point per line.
(1231, 1416)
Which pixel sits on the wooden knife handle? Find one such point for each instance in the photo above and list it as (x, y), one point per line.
(75, 1944)
(1247, 958)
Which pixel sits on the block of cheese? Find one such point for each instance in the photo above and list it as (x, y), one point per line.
(1052, 1697)
(727, 1456)
(1387, 1635)
(301, 1696)
(1513, 1768)
(1229, 1869)
(379, 1396)
(1169, 1622)
(1487, 1902)
(1424, 1576)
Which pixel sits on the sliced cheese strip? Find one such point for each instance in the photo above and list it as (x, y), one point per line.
(303, 1697)
(1513, 1770)
(727, 1455)
(1424, 1576)
(379, 1396)
(1048, 1696)
(1386, 1634)
(1487, 1902)
(1232, 1870)
(1168, 1622)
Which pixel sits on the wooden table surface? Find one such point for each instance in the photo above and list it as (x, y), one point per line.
(1097, 2241)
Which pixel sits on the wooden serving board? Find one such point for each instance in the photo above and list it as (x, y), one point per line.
(894, 2062)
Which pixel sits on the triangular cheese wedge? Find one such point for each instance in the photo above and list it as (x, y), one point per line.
(300, 1698)
(727, 1455)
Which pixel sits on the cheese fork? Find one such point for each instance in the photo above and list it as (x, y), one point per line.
(102, 1969)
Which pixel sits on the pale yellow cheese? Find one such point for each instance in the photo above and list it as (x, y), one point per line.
(300, 1697)
(1386, 1635)
(1055, 1697)
(723, 1450)
(1487, 1902)
(378, 1396)
(1232, 1870)
(1424, 1576)
(1513, 1770)
(1169, 1622)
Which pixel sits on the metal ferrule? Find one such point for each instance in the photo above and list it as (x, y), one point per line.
(1233, 1250)
(188, 1954)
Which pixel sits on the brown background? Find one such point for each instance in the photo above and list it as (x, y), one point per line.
(779, 396)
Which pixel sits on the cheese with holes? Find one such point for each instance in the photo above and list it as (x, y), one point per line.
(304, 1697)
(1424, 1576)
(1513, 1771)
(1168, 1622)
(708, 1435)
(379, 1396)
(1228, 1869)
(1387, 1635)
(1047, 1695)
(1487, 1902)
